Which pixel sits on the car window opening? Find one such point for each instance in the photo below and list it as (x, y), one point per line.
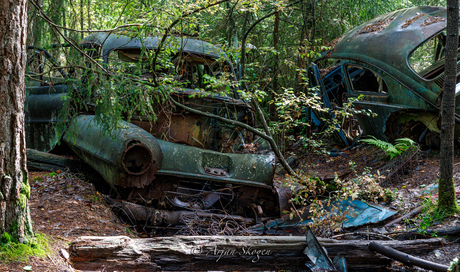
(193, 71)
(429, 58)
(365, 80)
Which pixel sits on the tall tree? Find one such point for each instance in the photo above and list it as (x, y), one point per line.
(447, 200)
(14, 186)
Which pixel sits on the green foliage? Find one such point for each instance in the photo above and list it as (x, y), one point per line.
(393, 151)
(11, 251)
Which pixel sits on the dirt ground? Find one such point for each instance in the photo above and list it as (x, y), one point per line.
(64, 206)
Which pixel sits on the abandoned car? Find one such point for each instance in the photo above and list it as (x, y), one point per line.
(394, 63)
(182, 161)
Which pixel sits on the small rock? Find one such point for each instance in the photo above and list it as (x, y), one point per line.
(64, 254)
(437, 253)
(381, 230)
(79, 198)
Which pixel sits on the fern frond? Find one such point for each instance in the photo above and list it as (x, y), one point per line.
(389, 149)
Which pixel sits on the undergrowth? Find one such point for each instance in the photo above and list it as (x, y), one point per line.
(323, 199)
(430, 215)
(11, 251)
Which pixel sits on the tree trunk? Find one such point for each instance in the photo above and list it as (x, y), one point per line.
(447, 200)
(272, 106)
(226, 253)
(14, 186)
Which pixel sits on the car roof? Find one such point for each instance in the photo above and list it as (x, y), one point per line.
(388, 40)
(110, 42)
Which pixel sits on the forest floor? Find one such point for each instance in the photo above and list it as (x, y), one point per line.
(64, 206)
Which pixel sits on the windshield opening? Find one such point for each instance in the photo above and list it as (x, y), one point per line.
(189, 70)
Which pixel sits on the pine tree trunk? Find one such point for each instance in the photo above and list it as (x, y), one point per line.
(271, 106)
(14, 187)
(447, 199)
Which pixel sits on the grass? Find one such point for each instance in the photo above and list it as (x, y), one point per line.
(11, 251)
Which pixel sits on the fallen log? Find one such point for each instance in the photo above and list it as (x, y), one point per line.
(415, 234)
(42, 161)
(406, 258)
(225, 253)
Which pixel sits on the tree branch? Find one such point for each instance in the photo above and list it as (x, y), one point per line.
(160, 44)
(245, 126)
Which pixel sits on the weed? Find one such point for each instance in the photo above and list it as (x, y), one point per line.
(430, 215)
(37, 179)
(95, 197)
(53, 174)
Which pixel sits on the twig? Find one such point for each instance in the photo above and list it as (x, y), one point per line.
(408, 215)
(362, 233)
(88, 229)
(49, 21)
(51, 259)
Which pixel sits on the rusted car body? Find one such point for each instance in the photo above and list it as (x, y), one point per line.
(396, 63)
(182, 161)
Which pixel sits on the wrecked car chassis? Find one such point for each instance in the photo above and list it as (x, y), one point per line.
(171, 165)
(395, 64)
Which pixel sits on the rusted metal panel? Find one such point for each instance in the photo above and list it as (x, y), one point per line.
(42, 108)
(191, 162)
(130, 158)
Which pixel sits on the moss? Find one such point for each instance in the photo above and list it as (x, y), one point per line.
(25, 185)
(6, 238)
(13, 251)
(14, 227)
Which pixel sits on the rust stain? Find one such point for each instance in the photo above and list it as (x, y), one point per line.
(432, 20)
(413, 19)
(376, 27)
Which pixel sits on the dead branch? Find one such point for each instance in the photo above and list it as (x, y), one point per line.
(406, 258)
(408, 215)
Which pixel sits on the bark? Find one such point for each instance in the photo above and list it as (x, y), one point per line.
(225, 253)
(447, 200)
(14, 186)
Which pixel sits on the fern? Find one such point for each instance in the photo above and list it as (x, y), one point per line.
(393, 151)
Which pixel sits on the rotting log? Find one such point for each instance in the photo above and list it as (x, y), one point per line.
(225, 252)
(42, 161)
(453, 232)
(406, 258)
